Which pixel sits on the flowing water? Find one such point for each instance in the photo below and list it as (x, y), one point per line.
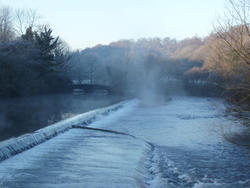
(177, 143)
(189, 149)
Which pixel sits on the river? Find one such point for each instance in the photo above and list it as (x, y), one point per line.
(174, 143)
(23, 115)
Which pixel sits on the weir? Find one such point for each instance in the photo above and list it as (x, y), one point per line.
(17, 145)
(170, 144)
(85, 156)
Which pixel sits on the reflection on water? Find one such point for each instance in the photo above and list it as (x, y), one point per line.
(19, 116)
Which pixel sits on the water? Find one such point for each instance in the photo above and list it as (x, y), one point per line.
(78, 158)
(189, 146)
(177, 143)
(19, 116)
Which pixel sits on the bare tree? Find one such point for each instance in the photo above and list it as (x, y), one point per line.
(235, 31)
(91, 68)
(25, 18)
(6, 27)
(231, 49)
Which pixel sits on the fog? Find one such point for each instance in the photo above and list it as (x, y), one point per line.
(20, 116)
(134, 68)
(179, 105)
(36, 63)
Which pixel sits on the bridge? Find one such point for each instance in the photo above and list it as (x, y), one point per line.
(90, 88)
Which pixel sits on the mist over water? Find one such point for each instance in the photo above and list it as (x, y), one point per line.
(171, 125)
(153, 88)
(20, 116)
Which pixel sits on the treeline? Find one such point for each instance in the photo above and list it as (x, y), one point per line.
(32, 60)
(216, 65)
(148, 64)
(226, 54)
(134, 66)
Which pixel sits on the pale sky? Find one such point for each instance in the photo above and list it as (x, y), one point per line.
(86, 23)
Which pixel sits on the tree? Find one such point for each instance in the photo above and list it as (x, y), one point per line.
(93, 70)
(6, 27)
(230, 50)
(47, 45)
(17, 76)
(52, 62)
(29, 35)
(235, 31)
(24, 19)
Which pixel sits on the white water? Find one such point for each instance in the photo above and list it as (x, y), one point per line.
(189, 145)
(13, 146)
(186, 149)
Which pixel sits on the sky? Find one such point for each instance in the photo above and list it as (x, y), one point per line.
(86, 23)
